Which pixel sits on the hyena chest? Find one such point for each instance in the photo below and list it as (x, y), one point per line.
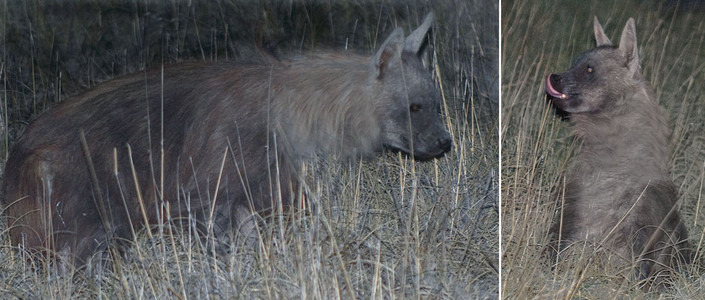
(598, 205)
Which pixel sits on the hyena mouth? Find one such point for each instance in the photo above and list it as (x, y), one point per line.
(551, 91)
(440, 147)
(444, 145)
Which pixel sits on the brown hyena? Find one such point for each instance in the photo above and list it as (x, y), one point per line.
(214, 141)
(618, 193)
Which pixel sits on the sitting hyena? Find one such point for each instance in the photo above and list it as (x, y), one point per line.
(233, 137)
(619, 193)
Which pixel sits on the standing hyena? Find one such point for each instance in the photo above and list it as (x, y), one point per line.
(234, 137)
(619, 193)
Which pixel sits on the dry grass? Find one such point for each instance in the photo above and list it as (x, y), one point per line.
(386, 228)
(379, 229)
(543, 37)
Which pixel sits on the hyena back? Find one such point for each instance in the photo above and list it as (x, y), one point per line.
(619, 193)
(234, 137)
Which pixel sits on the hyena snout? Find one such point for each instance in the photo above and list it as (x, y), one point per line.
(423, 137)
(432, 144)
(568, 93)
(555, 87)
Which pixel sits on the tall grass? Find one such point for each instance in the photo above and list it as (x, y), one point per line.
(543, 37)
(381, 228)
(385, 228)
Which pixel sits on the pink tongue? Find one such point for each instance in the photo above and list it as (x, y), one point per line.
(552, 91)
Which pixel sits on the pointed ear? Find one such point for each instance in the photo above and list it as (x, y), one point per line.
(628, 48)
(387, 55)
(415, 39)
(600, 37)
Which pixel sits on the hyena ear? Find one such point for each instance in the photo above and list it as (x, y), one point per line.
(600, 37)
(628, 48)
(415, 40)
(388, 55)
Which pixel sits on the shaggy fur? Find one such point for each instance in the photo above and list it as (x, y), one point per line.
(233, 138)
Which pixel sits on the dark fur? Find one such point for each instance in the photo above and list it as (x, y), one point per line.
(621, 169)
(261, 121)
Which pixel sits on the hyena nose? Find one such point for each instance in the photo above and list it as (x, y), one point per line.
(554, 86)
(444, 143)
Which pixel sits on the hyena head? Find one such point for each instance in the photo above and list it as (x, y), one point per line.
(599, 78)
(412, 122)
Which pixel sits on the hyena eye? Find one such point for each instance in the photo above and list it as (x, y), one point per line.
(589, 69)
(414, 107)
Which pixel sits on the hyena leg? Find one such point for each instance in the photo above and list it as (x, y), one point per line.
(560, 240)
(266, 204)
(233, 225)
(236, 230)
(84, 245)
(644, 252)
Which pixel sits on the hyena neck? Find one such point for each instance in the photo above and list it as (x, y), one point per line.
(328, 108)
(634, 137)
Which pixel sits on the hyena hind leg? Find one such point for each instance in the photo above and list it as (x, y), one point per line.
(92, 254)
(658, 255)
